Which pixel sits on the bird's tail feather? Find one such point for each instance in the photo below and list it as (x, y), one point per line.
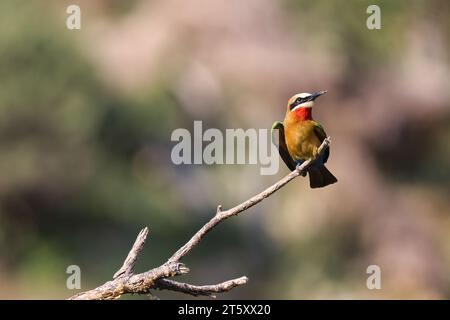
(320, 177)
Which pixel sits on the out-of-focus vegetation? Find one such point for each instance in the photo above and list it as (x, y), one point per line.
(86, 118)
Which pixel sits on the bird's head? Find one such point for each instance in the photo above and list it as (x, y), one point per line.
(303, 100)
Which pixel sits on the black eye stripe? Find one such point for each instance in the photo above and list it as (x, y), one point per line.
(299, 101)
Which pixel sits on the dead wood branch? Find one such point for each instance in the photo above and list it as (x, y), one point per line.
(125, 282)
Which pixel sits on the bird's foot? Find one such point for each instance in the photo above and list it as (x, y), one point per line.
(299, 163)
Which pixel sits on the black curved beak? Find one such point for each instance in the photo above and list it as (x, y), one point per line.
(315, 95)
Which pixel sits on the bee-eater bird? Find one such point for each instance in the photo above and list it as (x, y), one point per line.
(300, 138)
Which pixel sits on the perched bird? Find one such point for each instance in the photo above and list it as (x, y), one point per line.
(300, 137)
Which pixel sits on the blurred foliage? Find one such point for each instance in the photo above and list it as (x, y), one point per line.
(68, 145)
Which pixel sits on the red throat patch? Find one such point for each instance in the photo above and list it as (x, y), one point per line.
(303, 114)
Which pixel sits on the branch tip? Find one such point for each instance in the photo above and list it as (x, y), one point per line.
(130, 261)
(195, 290)
(182, 269)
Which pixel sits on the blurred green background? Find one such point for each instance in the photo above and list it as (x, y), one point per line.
(86, 118)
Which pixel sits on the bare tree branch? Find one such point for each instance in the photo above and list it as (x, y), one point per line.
(138, 283)
(130, 261)
(208, 290)
(124, 281)
(222, 215)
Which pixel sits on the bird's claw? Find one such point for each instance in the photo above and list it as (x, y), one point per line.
(302, 172)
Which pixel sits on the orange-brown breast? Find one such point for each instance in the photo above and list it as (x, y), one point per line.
(301, 140)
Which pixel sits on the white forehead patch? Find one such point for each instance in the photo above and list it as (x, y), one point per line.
(303, 95)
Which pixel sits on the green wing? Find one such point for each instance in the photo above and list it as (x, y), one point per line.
(320, 133)
(281, 145)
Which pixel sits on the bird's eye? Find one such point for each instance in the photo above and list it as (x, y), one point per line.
(296, 102)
